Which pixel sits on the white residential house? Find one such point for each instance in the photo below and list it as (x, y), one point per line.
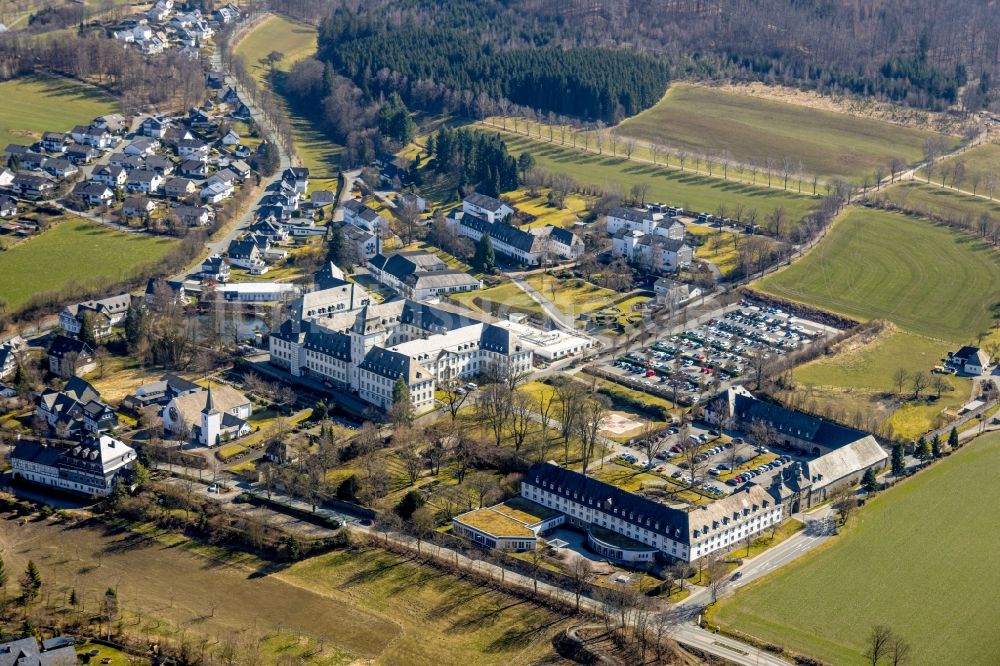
(488, 208)
(296, 178)
(365, 244)
(215, 268)
(138, 207)
(652, 252)
(142, 146)
(361, 216)
(110, 175)
(193, 149)
(971, 360)
(216, 191)
(94, 194)
(145, 181)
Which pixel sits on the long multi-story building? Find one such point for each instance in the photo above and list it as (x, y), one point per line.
(339, 336)
(628, 527)
(92, 467)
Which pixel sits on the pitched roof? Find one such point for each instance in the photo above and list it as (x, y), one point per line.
(486, 202)
(501, 232)
(224, 398)
(63, 345)
(845, 461)
(662, 519)
(794, 423)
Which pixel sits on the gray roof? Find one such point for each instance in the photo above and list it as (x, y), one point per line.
(501, 232)
(485, 202)
(576, 487)
(239, 249)
(796, 424)
(391, 365)
(846, 460)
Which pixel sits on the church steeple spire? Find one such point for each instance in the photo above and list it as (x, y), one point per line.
(209, 404)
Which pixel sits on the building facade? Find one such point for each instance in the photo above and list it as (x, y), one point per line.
(92, 467)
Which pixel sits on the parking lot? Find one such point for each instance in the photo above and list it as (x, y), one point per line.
(704, 358)
(710, 462)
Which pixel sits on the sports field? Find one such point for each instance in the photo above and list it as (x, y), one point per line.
(33, 105)
(920, 559)
(877, 265)
(701, 119)
(295, 41)
(77, 251)
(692, 191)
(939, 201)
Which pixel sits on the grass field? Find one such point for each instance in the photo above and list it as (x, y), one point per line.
(701, 119)
(296, 41)
(692, 191)
(565, 218)
(488, 300)
(861, 380)
(920, 559)
(74, 250)
(35, 105)
(574, 296)
(877, 265)
(931, 200)
(346, 607)
(980, 162)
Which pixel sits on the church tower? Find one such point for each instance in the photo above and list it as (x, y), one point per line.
(211, 421)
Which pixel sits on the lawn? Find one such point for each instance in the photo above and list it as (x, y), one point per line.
(828, 144)
(495, 299)
(980, 163)
(920, 559)
(33, 105)
(934, 201)
(296, 41)
(864, 375)
(689, 190)
(538, 206)
(573, 296)
(722, 249)
(876, 265)
(75, 251)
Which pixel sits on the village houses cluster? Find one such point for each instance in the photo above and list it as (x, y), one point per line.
(160, 172)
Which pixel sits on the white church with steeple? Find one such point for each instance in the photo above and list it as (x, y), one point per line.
(208, 417)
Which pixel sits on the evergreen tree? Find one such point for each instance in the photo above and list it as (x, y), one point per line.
(31, 583)
(869, 481)
(88, 329)
(953, 442)
(335, 248)
(3, 573)
(484, 259)
(348, 489)
(74, 601)
(898, 460)
(411, 502)
(136, 324)
(293, 551)
(525, 163)
(402, 405)
(936, 446)
(394, 120)
(923, 448)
